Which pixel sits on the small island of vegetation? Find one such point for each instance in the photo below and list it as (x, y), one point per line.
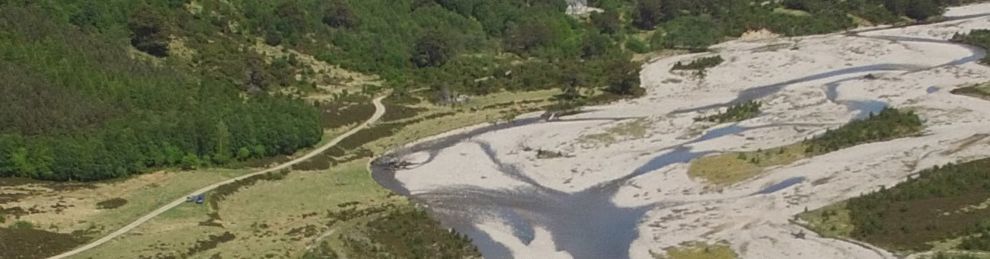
(699, 64)
(735, 113)
(734, 167)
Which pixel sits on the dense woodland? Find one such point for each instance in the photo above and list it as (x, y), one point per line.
(76, 107)
(101, 89)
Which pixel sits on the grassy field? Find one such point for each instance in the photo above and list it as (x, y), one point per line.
(339, 212)
(77, 209)
(733, 167)
(699, 251)
(72, 211)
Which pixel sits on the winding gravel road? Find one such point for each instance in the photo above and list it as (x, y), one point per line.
(379, 111)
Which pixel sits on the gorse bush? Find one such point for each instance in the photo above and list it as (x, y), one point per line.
(699, 64)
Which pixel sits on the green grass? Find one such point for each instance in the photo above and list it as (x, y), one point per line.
(734, 167)
(299, 200)
(142, 193)
(283, 218)
(634, 129)
(151, 197)
(695, 250)
(830, 221)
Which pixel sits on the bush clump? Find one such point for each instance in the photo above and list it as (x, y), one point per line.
(699, 64)
(735, 113)
(888, 124)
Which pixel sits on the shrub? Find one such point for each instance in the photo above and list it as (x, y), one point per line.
(647, 14)
(737, 112)
(20, 224)
(699, 64)
(888, 124)
(338, 14)
(636, 45)
(691, 33)
(149, 33)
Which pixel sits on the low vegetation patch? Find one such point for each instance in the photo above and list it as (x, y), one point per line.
(20, 224)
(27, 242)
(211, 242)
(696, 250)
(335, 115)
(627, 130)
(735, 113)
(733, 167)
(942, 203)
(548, 154)
(978, 91)
(831, 221)
(225, 190)
(729, 168)
(411, 233)
(699, 64)
(111, 203)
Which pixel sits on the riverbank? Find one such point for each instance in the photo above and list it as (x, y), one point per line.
(631, 195)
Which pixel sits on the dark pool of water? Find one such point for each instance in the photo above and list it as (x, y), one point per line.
(782, 185)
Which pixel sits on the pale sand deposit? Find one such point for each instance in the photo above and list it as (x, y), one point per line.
(630, 194)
